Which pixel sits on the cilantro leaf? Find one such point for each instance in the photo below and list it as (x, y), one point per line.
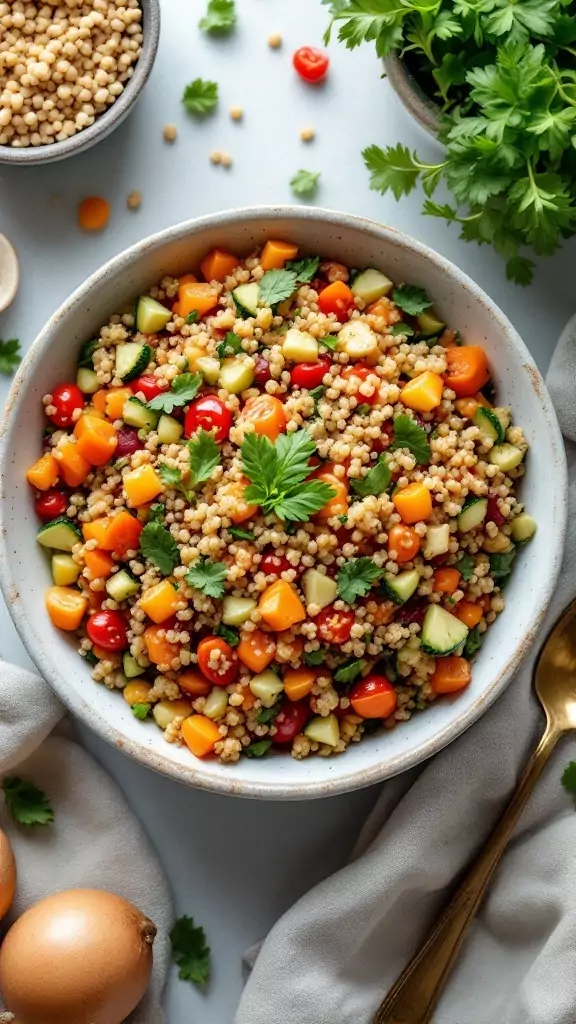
(407, 434)
(190, 951)
(231, 345)
(501, 566)
(401, 328)
(158, 546)
(156, 513)
(27, 804)
(258, 749)
(316, 657)
(330, 341)
(474, 641)
(350, 671)
(10, 355)
(220, 16)
(184, 389)
(209, 577)
(204, 456)
(305, 269)
(229, 635)
(200, 97)
(169, 475)
(356, 578)
(141, 711)
(305, 183)
(267, 715)
(276, 286)
(277, 474)
(569, 778)
(240, 534)
(411, 299)
(466, 566)
(376, 480)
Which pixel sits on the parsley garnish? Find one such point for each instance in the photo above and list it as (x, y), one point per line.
(231, 345)
(204, 457)
(229, 635)
(356, 578)
(401, 328)
(276, 286)
(258, 749)
(192, 317)
(474, 641)
(277, 474)
(501, 566)
(305, 183)
(330, 341)
(141, 711)
(267, 715)
(184, 389)
(569, 778)
(240, 534)
(209, 577)
(157, 545)
(376, 480)
(200, 97)
(190, 951)
(90, 657)
(407, 434)
(363, 409)
(10, 355)
(411, 299)
(172, 477)
(220, 16)
(156, 512)
(316, 657)
(27, 804)
(466, 566)
(316, 394)
(350, 671)
(305, 269)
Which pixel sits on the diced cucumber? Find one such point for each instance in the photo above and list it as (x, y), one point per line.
(357, 339)
(473, 514)
(429, 324)
(506, 456)
(65, 571)
(318, 588)
(442, 633)
(371, 285)
(401, 587)
(169, 430)
(246, 298)
(131, 667)
(151, 316)
(131, 360)
(136, 414)
(236, 375)
(121, 586)
(209, 368)
(165, 711)
(300, 346)
(267, 686)
(523, 528)
(437, 540)
(323, 730)
(87, 381)
(86, 352)
(236, 610)
(61, 534)
(488, 424)
(216, 703)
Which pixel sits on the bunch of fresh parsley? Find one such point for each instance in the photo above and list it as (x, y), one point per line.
(504, 73)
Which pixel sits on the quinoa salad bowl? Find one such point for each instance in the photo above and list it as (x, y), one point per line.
(283, 502)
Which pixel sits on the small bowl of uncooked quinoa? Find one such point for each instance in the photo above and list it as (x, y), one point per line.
(279, 506)
(70, 72)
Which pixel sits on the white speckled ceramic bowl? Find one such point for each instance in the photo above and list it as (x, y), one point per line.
(24, 567)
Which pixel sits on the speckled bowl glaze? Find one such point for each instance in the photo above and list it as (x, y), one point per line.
(421, 106)
(24, 568)
(107, 122)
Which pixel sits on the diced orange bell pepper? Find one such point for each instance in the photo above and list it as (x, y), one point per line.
(66, 607)
(159, 650)
(298, 682)
(160, 602)
(44, 473)
(280, 606)
(98, 399)
(122, 533)
(194, 684)
(424, 392)
(218, 265)
(72, 466)
(196, 297)
(275, 254)
(413, 503)
(469, 613)
(100, 563)
(96, 530)
(446, 580)
(142, 485)
(116, 399)
(200, 734)
(450, 675)
(96, 439)
(256, 650)
(187, 279)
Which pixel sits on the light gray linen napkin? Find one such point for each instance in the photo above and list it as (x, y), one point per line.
(333, 956)
(95, 842)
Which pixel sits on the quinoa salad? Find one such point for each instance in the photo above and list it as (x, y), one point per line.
(280, 504)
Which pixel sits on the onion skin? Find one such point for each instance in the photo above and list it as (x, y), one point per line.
(79, 957)
(7, 875)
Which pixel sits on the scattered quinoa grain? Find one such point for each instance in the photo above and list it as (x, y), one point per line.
(134, 200)
(170, 133)
(275, 41)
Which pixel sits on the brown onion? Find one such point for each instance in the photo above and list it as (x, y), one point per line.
(7, 875)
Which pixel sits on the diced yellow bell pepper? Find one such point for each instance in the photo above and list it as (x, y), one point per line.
(160, 602)
(423, 393)
(142, 485)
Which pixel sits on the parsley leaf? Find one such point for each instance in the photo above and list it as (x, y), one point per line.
(276, 286)
(267, 715)
(220, 16)
(158, 546)
(200, 97)
(401, 328)
(394, 168)
(411, 299)
(156, 512)
(192, 317)
(474, 641)
(231, 345)
(141, 711)
(356, 578)
(407, 434)
(501, 566)
(27, 804)
(240, 534)
(466, 566)
(330, 341)
(204, 456)
(316, 394)
(376, 480)
(258, 749)
(209, 577)
(190, 951)
(305, 183)
(305, 269)
(184, 389)
(569, 778)
(10, 355)
(277, 474)
(316, 657)
(170, 475)
(350, 671)
(364, 409)
(229, 635)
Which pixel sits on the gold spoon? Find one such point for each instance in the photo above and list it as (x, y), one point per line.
(414, 996)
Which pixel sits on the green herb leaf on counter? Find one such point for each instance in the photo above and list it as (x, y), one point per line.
(267, 715)
(240, 534)
(305, 183)
(10, 355)
(184, 389)
(228, 634)
(277, 286)
(394, 169)
(204, 456)
(220, 16)
(330, 341)
(501, 566)
(200, 97)
(411, 299)
(305, 269)
(231, 345)
(27, 804)
(141, 711)
(465, 567)
(158, 546)
(401, 328)
(376, 481)
(474, 642)
(350, 671)
(277, 474)
(407, 434)
(192, 317)
(356, 577)
(318, 657)
(209, 577)
(569, 778)
(190, 951)
(258, 749)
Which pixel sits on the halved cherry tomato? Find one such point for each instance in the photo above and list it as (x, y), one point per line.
(290, 721)
(405, 542)
(209, 413)
(361, 371)
(334, 627)
(51, 504)
(274, 565)
(107, 629)
(310, 63)
(267, 414)
(336, 298)
(310, 375)
(206, 649)
(66, 398)
(374, 697)
(149, 385)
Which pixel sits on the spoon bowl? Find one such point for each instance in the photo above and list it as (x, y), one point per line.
(555, 676)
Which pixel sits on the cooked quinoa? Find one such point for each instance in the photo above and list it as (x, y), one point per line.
(281, 504)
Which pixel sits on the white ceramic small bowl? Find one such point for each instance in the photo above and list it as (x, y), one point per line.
(24, 570)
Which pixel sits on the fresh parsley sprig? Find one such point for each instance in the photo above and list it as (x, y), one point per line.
(410, 299)
(231, 345)
(157, 545)
(305, 183)
(305, 269)
(356, 578)
(220, 16)
(190, 951)
(376, 481)
(408, 434)
(10, 355)
(209, 577)
(183, 390)
(277, 286)
(200, 97)
(277, 474)
(26, 804)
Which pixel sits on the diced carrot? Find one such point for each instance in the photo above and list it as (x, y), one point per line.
(469, 613)
(66, 607)
(187, 279)
(115, 401)
(446, 580)
(159, 650)
(100, 563)
(196, 297)
(200, 734)
(467, 370)
(99, 652)
(44, 473)
(447, 339)
(242, 510)
(98, 399)
(404, 541)
(248, 698)
(122, 533)
(336, 298)
(142, 485)
(275, 254)
(298, 682)
(466, 407)
(72, 466)
(338, 504)
(424, 392)
(256, 650)
(218, 265)
(96, 439)
(479, 398)
(160, 602)
(194, 684)
(176, 309)
(413, 503)
(450, 675)
(380, 702)
(266, 414)
(288, 649)
(96, 530)
(280, 606)
(93, 213)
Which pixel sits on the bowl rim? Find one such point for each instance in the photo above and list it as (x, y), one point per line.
(225, 784)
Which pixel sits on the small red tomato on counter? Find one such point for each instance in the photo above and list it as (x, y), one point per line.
(311, 64)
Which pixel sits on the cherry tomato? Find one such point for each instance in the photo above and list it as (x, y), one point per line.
(274, 565)
(374, 697)
(310, 375)
(51, 504)
(262, 370)
(107, 629)
(493, 513)
(66, 398)
(209, 665)
(361, 371)
(267, 415)
(405, 542)
(336, 298)
(310, 63)
(334, 627)
(149, 385)
(291, 720)
(208, 413)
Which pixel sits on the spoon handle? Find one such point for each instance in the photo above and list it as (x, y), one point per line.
(414, 996)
